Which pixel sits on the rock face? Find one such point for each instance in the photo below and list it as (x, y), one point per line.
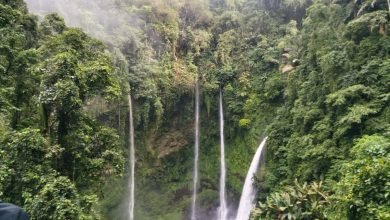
(287, 68)
(168, 143)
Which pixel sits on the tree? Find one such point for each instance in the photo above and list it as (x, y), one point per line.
(26, 158)
(56, 200)
(363, 190)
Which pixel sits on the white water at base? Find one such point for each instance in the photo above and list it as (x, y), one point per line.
(132, 161)
(196, 152)
(222, 211)
(249, 191)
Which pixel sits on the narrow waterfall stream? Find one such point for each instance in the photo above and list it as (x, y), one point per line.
(196, 153)
(131, 162)
(222, 211)
(249, 191)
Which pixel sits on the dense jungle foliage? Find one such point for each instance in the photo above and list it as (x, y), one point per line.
(313, 76)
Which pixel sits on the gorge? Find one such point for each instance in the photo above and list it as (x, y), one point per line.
(154, 109)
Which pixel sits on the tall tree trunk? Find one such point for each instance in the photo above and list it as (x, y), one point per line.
(74, 169)
(388, 4)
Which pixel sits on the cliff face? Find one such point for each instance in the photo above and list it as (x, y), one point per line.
(313, 76)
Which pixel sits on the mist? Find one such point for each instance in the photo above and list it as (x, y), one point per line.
(109, 21)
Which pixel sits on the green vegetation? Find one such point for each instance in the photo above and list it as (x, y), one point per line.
(298, 202)
(54, 158)
(314, 76)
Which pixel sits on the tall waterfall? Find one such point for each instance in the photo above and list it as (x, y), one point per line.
(132, 161)
(249, 192)
(222, 212)
(196, 174)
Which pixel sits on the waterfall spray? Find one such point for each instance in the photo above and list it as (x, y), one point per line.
(249, 192)
(132, 161)
(195, 177)
(222, 211)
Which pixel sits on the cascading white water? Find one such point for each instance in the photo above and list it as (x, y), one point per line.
(249, 191)
(222, 211)
(131, 162)
(196, 152)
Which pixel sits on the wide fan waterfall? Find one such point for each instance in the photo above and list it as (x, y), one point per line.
(249, 191)
(131, 162)
(195, 177)
(222, 212)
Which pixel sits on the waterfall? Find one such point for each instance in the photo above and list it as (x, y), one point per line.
(131, 161)
(195, 177)
(249, 192)
(222, 211)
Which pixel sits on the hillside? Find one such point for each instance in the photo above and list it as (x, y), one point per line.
(312, 76)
